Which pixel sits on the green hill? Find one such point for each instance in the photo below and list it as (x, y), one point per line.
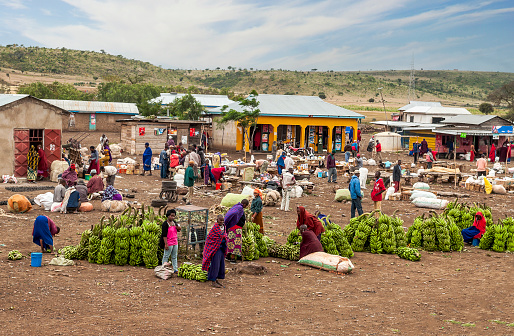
(91, 68)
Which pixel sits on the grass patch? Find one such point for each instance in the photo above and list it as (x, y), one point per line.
(498, 321)
(468, 325)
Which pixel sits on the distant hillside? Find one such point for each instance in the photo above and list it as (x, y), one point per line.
(86, 68)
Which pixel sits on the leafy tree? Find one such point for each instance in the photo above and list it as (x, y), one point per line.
(371, 100)
(486, 108)
(187, 108)
(322, 95)
(246, 119)
(503, 95)
(54, 90)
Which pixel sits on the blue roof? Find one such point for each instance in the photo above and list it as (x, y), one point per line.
(295, 106)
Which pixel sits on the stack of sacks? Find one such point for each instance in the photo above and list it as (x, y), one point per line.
(179, 178)
(115, 150)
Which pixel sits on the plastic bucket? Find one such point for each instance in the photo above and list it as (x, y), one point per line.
(87, 177)
(218, 186)
(320, 174)
(35, 259)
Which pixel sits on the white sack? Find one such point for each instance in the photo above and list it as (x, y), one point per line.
(45, 200)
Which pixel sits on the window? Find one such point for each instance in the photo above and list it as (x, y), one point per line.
(437, 120)
(411, 119)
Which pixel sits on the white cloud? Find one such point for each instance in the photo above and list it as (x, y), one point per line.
(14, 4)
(294, 34)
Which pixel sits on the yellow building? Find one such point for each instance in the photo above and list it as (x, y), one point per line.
(289, 119)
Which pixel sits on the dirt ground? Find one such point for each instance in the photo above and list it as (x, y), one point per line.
(443, 294)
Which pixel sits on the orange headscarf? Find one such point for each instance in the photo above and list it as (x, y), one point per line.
(258, 191)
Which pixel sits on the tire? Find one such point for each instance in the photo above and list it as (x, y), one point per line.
(157, 203)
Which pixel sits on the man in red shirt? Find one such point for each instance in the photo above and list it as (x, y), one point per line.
(376, 193)
(378, 148)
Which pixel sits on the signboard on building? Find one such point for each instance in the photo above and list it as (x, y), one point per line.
(502, 129)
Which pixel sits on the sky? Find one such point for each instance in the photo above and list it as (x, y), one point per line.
(339, 35)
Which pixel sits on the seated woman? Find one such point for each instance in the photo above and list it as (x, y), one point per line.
(43, 232)
(82, 189)
(111, 194)
(310, 242)
(73, 203)
(96, 183)
(70, 176)
(312, 223)
(473, 233)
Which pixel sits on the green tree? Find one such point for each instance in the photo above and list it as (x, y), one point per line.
(54, 90)
(187, 108)
(246, 119)
(322, 95)
(486, 108)
(503, 95)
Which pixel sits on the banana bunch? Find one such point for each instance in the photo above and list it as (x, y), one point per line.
(69, 252)
(107, 245)
(487, 240)
(399, 233)
(191, 271)
(416, 226)
(375, 243)
(260, 245)
(328, 243)
(456, 240)
(268, 241)
(464, 215)
(14, 255)
(94, 248)
(408, 253)
(249, 247)
(287, 251)
(343, 247)
(84, 239)
(509, 223)
(361, 234)
(350, 229)
(122, 246)
(500, 238)
(294, 237)
(149, 248)
(135, 257)
(389, 240)
(443, 235)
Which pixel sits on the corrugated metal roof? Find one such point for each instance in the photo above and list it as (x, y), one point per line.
(403, 124)
(296, 106)
(80, 106)
(10, 98)
(413, 103)
(467, 131)
(208, 101)
(437, 110)
(469, 119)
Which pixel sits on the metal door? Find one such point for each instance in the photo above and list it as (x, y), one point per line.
(21, 149)
(92, 122)
(52, 145)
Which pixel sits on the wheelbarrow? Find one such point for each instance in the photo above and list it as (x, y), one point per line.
(169, 191)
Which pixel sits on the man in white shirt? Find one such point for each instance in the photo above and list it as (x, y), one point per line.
(288, 162)
(288, 181)
(110, 174)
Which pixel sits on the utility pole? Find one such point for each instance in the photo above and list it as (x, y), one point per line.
(385, 112)
(412, 83)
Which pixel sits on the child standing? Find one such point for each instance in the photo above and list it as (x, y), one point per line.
(169, 239)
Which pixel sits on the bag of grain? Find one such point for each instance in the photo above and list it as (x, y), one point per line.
(327, 262)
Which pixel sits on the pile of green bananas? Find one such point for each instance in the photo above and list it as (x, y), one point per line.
(436, 233)
(107, 246)
(464, 215)
(191, 271)
(94, 248)
(69, 252)
(149, 247)
(14, 255)
(382, 235)
(287, 251)
(343, 247)
(294, 237)
(122, 247)
(135, 258)
(260, 245)
(408, 253)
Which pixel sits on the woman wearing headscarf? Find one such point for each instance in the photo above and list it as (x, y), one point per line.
(107, 158)
(111, 194)
(503, 152)
(473, 233)
(256, 209)
(174, 159)
(313, 223)
(208, 177)
(310, 242)
(235, 219)
(42, 167)
(280, 163)
(43, 232)
(218, 173)
(214, 252)
(492, 153)
(147, 160)
(70, 176)
(472, 153)
(82, 189)
(32, 164)
(94, 160)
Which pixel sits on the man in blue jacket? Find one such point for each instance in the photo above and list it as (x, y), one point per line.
(355, 192)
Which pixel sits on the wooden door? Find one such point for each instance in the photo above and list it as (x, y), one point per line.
(52, 141)
(21, 149)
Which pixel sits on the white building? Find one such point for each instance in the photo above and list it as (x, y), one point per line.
(208, 101)
(431, 114)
